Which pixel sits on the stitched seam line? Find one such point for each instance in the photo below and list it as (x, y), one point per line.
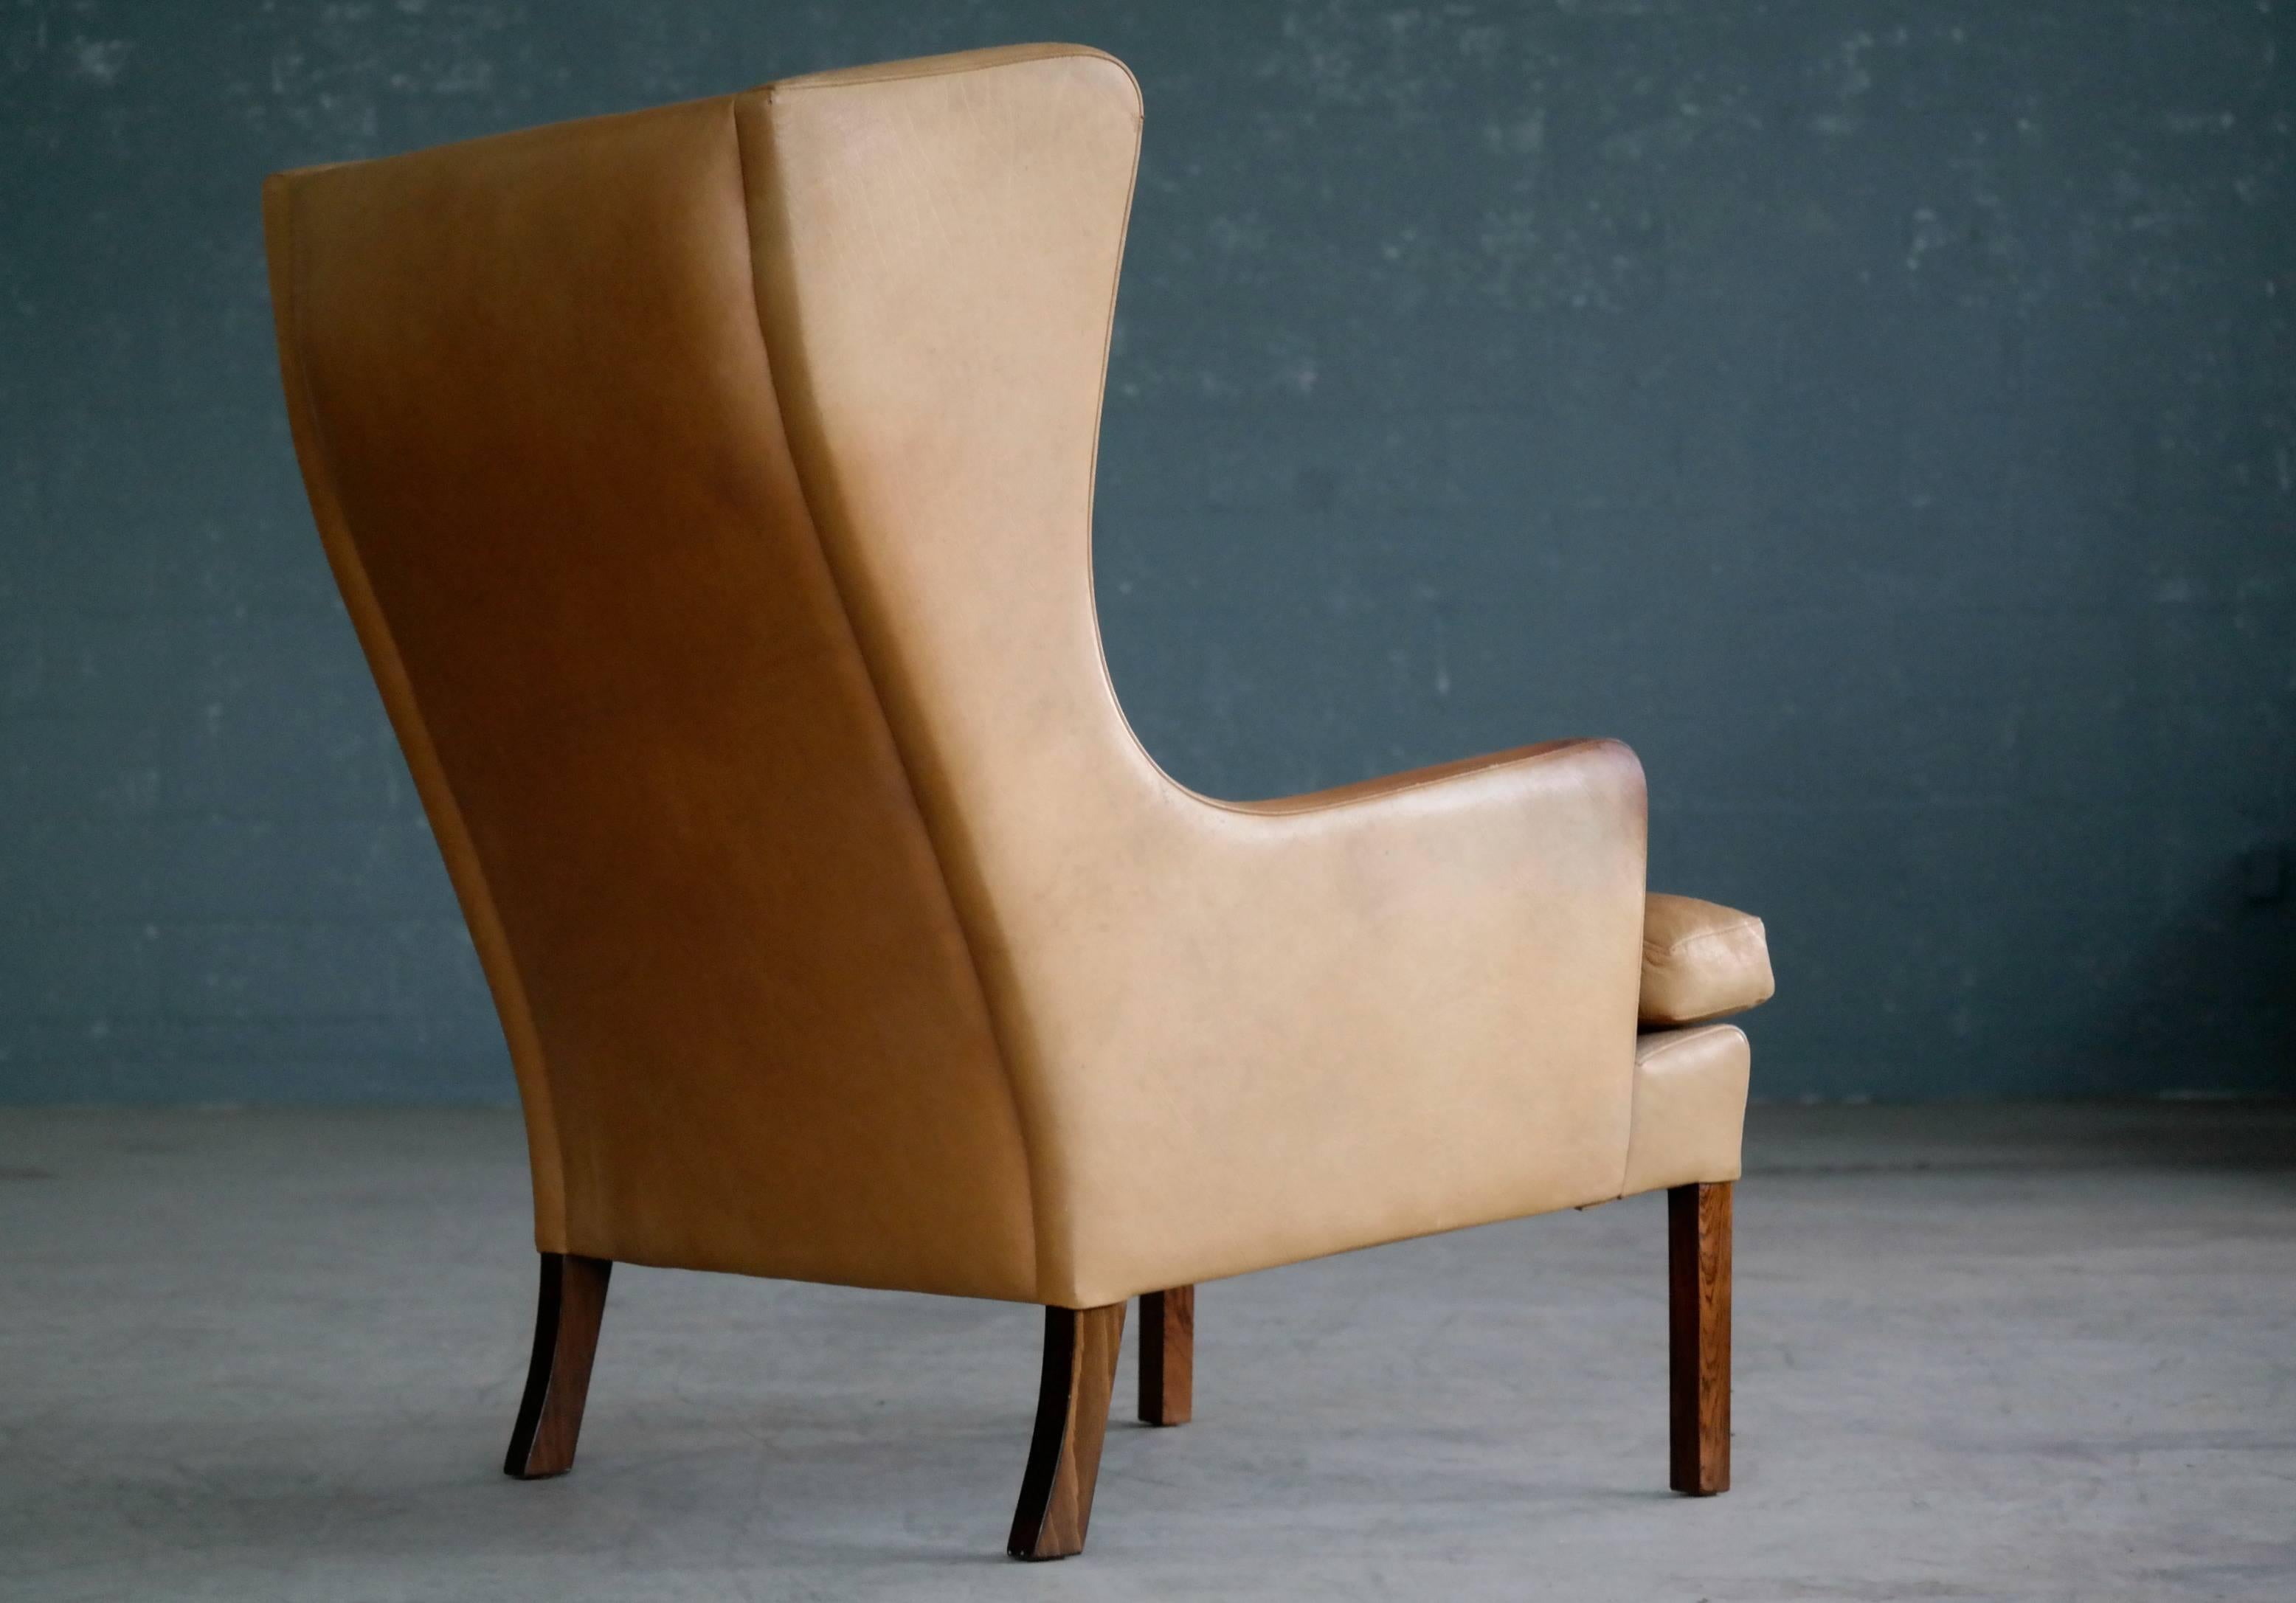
(1683, 943)
(869, 677)
(1292, 807)
(1674, 1013)
(1634, 1120)
(947, 66)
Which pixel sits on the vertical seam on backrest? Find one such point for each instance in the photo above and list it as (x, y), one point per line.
(342, 548)
(1634, 1111)
(1634, 1080)
(869, 675)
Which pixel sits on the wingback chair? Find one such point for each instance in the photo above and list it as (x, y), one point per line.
(710, 489)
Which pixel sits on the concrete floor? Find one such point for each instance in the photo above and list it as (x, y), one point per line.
(2043, 1353)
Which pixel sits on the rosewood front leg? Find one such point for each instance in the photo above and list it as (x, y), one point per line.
(566, 1316)
(1167, 1356)
(1698, 1336)
(1056, 1490)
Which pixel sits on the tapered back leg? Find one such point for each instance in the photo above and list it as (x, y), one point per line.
(1080, 1348)
(1167, 1356)
(1697, 1343)
(566, 1318)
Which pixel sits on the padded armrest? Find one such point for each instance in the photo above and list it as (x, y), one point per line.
(1700, 961)
(1252, 1034)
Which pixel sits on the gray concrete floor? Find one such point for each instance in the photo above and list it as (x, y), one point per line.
(2019, 1353)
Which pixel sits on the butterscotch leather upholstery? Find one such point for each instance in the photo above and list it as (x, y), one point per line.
(711, 488)
(1690, 1092)
(1702, 961)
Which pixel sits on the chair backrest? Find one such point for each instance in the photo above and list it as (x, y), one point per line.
(711, 489)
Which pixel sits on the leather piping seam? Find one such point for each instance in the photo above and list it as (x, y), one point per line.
(1634, 1117)
(1684, 943)
(942, 66)
(869, 675)
(1404, 784)
(408, 712)
(1092, 467)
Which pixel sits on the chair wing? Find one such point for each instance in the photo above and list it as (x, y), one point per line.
(541, 437)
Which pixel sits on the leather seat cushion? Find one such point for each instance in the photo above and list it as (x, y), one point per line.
(1700, 960)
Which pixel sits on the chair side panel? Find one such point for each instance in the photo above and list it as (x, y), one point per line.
(1239, 1035)
(539, 425)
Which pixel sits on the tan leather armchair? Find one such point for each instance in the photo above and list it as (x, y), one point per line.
(711, 488)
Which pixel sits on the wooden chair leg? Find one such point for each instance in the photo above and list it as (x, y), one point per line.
(566, 1316)
(1056, 1490)
(1698, 1336)
(1167, 1356)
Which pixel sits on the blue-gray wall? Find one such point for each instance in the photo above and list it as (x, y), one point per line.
(1882, 414)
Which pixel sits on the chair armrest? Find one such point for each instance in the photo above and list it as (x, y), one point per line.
(1313, 1024)
(1702, 961)
(1412, 778)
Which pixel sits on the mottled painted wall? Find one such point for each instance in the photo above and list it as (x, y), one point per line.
(1879, 413)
